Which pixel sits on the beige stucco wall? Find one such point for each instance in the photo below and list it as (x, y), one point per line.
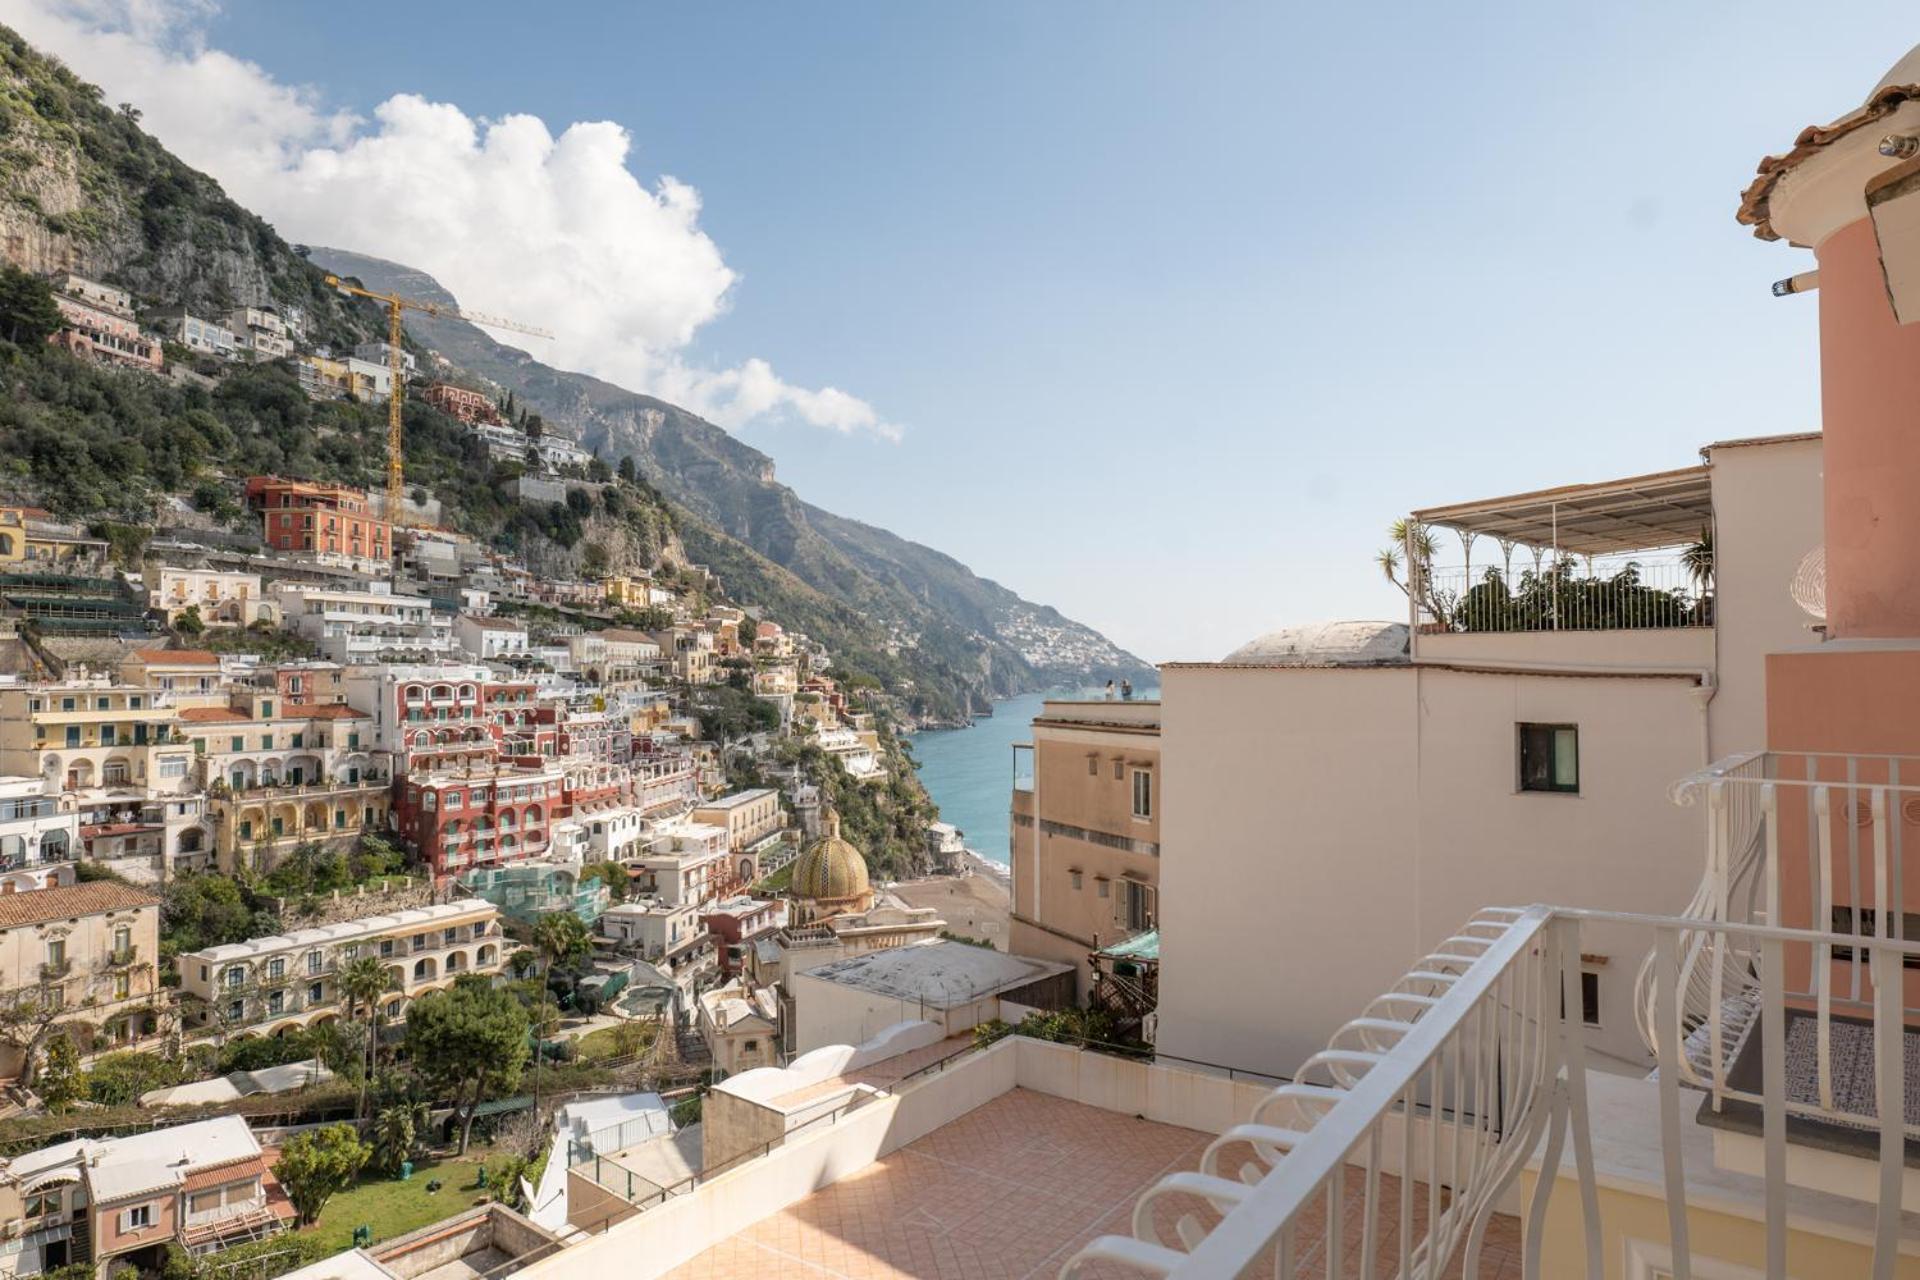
(1652, 649)
(1767, 516)
(1326, 828)
(1629, 1220)
(1052, 918)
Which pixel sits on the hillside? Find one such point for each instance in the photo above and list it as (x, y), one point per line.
(961, 639)
(84, 188)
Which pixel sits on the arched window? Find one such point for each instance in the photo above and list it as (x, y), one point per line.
(414, 693)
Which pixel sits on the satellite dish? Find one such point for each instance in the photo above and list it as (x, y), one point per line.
(1809, 585)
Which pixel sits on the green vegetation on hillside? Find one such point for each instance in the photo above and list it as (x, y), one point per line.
(86, 171)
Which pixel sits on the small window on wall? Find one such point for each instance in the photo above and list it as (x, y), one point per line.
(1550, 757)
(1075, 877)
(1104, 885)
(1119, 770)
(1142, 794)
(1093, 766)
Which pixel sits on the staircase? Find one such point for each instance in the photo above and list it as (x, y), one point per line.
(80, 1240)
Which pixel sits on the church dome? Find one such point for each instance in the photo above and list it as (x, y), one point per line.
(1325, 644)
(830, 869)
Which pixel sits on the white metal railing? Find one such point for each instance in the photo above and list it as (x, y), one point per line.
(1805, 840)
(1425, 1108)
(1627, 592)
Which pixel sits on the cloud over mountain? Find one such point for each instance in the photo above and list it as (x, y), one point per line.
(553, 229)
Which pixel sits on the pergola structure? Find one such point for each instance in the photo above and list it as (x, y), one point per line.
(1664, 509)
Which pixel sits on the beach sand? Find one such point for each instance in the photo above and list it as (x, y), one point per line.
(974, 905)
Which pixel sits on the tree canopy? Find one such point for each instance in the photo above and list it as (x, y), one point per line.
(468, 1043)
(319, 1163)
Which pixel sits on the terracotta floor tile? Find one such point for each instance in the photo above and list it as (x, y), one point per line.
(1015, 1188)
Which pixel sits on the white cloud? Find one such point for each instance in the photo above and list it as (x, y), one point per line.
(555, 231)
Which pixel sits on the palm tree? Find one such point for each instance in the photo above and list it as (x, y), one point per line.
(557, 936)
(1698, 559)
(1410, 535)
(363, 982)
(393, 1137)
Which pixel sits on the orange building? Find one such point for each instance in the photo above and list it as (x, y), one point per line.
(318, 518)
(468, 406)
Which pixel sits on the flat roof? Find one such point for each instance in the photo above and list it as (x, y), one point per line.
(1662, 509)
(939, 972)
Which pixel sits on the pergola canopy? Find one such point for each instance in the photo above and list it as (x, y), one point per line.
(1665, 509)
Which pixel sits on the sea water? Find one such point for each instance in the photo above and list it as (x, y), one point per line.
(969, 772)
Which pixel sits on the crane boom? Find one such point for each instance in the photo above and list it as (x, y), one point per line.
(396, 305)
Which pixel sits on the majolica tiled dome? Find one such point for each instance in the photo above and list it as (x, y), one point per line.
(831, 872)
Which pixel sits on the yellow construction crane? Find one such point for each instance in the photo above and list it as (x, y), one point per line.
(395, 304)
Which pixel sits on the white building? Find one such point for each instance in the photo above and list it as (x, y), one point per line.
(487, 638)
(955, 984)
(34, 832)
(1346, 796)
(371, 382)
(198, 334)
(224, 597)
(366, 626)
(261, 332)
(381, 354)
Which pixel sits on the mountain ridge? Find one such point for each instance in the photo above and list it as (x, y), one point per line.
(935, 612)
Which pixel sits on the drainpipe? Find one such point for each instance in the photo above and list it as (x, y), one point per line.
(1702, 695)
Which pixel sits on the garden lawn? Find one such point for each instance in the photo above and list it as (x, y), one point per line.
(393, 1208)
(599, 1045)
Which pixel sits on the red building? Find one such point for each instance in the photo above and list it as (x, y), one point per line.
(737, 922)
(466, 820)
(318, 518)
(471, 407)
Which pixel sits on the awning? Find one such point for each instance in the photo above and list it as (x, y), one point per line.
(1143, 947)
(1667, 508)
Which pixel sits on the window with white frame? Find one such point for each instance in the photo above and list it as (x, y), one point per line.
(1143, 793)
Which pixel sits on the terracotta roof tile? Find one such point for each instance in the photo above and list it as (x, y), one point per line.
(90, 898)
(218, 1174)
(331, 711)
(1754, 211)
(213, 715)
(178, 657)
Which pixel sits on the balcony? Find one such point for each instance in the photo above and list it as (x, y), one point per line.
(122, 957)
(1616, 575)
(55, 970)
(1467, 1075)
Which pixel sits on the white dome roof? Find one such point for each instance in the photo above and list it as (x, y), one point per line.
(1326, 644)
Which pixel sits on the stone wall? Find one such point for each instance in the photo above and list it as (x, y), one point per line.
(354, 904)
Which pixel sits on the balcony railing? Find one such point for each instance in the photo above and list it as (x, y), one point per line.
(54, 970)
(1423, 1111)
(1617, 593)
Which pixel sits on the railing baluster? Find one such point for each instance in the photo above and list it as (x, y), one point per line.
(1719, 837)
(1823, 951)
(1370, 1225)
(1773, 1089)
(1770, 814)
(1335, 1236)
(1889, 1092)
(1855, 896)
(1406, 1180)
(1574, 1063)
(1666, 994)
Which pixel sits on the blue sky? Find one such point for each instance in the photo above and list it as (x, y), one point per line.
(1178, 305)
